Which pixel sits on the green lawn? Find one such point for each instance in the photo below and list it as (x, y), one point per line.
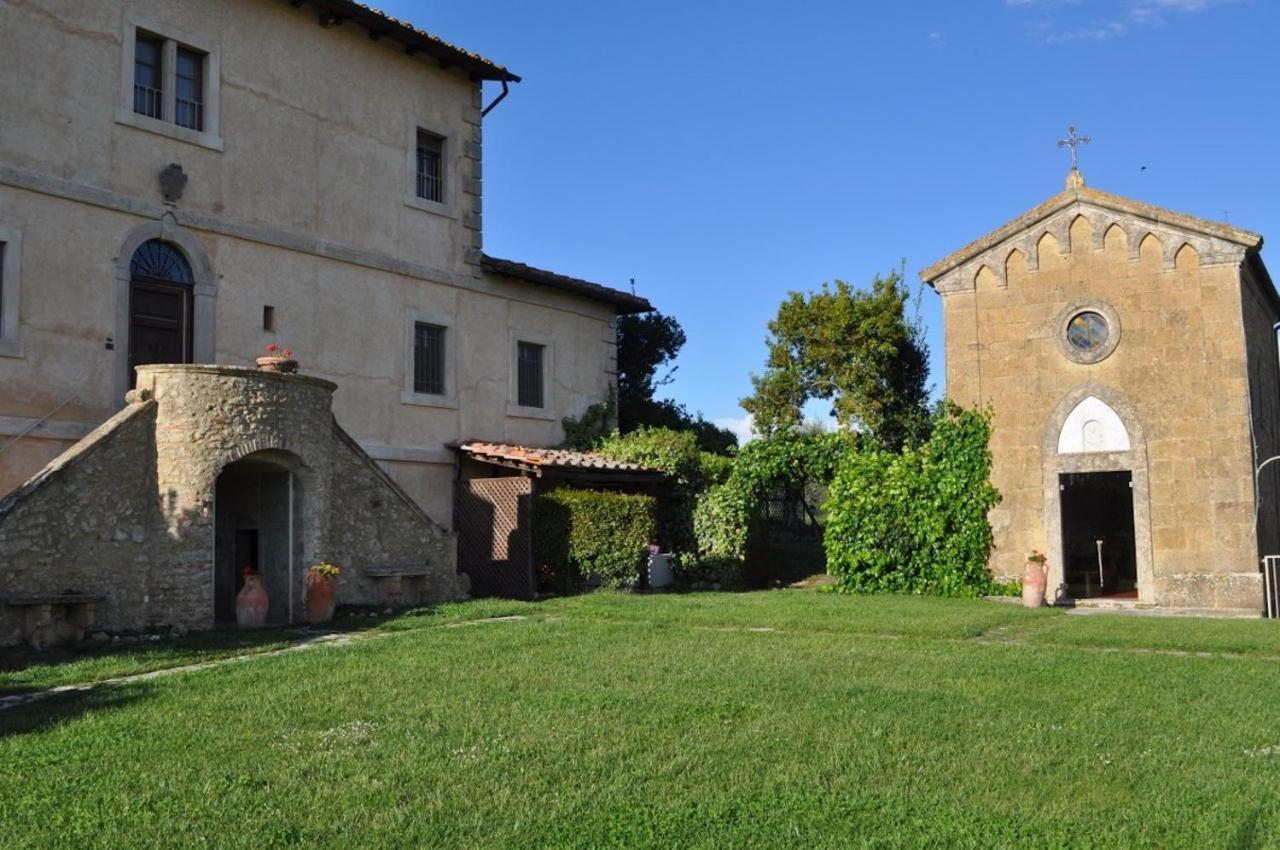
(715, 720)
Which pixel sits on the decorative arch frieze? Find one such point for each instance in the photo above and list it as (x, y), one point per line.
(1211, 250)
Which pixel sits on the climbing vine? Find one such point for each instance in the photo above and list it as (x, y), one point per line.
(916, 521)
(727, 514)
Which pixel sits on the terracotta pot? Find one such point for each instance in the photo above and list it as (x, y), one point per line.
(1034, 582)
(275, 363)
(322, 596)
(251, 603)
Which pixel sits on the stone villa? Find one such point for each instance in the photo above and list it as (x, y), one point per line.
(1129, 355)
(206, 178)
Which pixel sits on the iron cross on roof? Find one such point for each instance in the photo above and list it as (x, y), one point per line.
(1072, 141)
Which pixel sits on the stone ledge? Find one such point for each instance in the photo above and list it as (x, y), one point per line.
(406, 571)
(242, 372)
(51, 599)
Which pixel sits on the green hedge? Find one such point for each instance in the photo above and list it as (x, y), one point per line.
(579, 533)
(675, 453)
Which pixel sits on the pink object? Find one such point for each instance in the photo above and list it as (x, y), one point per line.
(251, 603)
(1034, 582)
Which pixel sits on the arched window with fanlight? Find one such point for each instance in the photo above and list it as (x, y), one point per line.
(160, 306)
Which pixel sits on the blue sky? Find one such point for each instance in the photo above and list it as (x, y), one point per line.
(723, 153)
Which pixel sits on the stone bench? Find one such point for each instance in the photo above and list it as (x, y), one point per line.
(393, 580)
(41, 629)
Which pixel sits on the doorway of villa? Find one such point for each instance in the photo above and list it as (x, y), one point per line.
(254, 528)
(1099, 555)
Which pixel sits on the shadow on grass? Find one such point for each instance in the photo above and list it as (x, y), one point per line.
(52, 711)
(1246, 837)
(24, 670)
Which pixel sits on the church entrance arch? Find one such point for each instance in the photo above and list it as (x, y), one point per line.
(1097, 498)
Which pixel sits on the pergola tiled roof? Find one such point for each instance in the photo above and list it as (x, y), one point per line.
(379, 25)
(537, 461)
(624, 302)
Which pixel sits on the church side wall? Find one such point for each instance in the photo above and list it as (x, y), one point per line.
(1260, 317)
(1180, 363)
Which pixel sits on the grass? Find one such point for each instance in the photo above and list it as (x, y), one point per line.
(22, 670)
(673, 721)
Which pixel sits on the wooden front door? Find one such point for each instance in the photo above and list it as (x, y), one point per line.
(159, 323)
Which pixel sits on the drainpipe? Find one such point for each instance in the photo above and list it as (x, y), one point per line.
(496, 100)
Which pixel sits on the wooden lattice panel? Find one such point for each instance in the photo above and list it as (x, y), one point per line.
(493, 518)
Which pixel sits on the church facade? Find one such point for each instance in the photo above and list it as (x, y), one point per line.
(1129, 357)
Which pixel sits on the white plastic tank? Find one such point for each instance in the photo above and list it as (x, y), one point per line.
(660, 570)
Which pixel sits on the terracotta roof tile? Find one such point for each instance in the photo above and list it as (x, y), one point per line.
(540, 459)
(625, 302)
(380, 24)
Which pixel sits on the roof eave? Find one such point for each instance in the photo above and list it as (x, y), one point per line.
(624, 303)
(1116, 203)
(381, 25)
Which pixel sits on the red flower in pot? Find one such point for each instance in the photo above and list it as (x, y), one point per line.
(278, 359)
(322, 592)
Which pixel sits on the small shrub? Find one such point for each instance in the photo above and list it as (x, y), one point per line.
(580, 533)
(675, 453)
(916, 521)
(585, 432)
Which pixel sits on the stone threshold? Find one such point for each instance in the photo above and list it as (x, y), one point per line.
(1134, 607)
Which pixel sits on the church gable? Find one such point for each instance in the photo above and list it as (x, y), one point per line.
(1100, 220)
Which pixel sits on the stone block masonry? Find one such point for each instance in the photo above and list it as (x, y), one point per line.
(130, 514)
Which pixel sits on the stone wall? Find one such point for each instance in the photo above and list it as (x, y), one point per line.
(130, 514)
(373, 524)
(88, 523)
(1261, 311)
(207, 418)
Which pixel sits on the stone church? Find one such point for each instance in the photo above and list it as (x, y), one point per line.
(1129, 356)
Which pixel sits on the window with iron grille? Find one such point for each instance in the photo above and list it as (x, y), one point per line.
(428, 358)
(148, 76)
(529, 374)
(430, 182)
(188, 104)
(10, 283)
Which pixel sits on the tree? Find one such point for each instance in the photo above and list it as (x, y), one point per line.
(647, 344)
(857, 350)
